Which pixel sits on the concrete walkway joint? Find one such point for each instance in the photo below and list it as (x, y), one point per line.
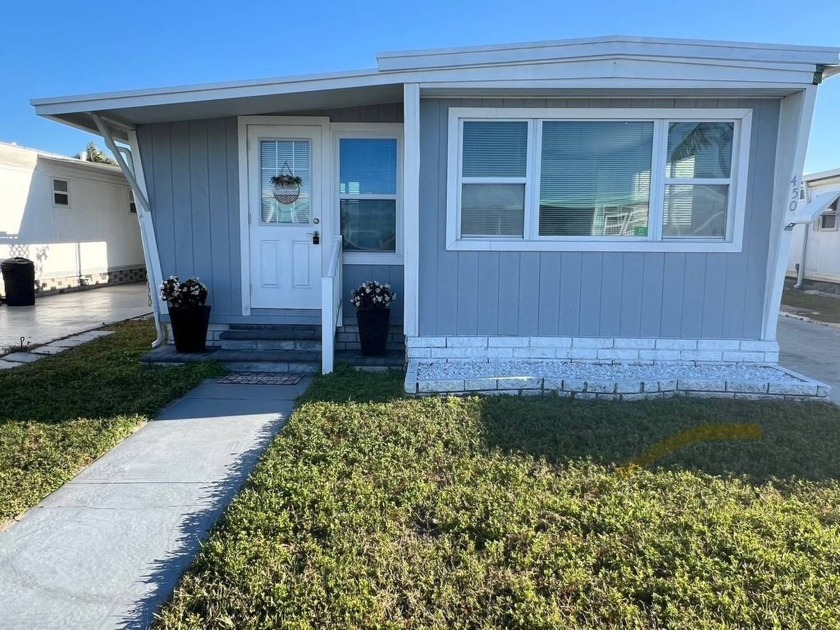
(107, 549)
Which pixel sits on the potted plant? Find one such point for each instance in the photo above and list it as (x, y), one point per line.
(286, 187)
(188, 312)
(373, 302)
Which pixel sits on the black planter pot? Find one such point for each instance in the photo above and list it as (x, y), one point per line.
(373, 331)
(189, 326)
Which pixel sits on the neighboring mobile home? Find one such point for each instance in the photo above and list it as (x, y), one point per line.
(612, 198)
(75, 220)
(815, 249)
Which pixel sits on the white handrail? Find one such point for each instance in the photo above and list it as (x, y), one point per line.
(331, 288)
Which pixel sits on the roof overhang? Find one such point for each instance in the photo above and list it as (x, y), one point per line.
(821, 178)
(813, 209)
(597, 67)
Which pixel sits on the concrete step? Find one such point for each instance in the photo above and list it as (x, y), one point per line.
(277, 367)
(270, 344)
(307, 361)
(278, 333)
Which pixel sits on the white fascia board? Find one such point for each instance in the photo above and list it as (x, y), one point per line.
(813, 209)
(590, 71)
(90, 167)
(606, 46)
(215, 91)
(818, 177)
(632, 72)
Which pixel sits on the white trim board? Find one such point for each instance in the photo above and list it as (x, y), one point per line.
(363, 131)
(243, 122)
(795, 117)
(531, 241)
(411, 207)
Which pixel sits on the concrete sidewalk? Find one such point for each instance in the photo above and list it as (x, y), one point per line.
(812, 349)
(58, 316)
(107, 549)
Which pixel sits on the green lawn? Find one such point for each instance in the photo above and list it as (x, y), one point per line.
(518, 513)
(819, 307)
(61, 413)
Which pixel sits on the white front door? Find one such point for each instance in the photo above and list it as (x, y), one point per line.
(285, 259)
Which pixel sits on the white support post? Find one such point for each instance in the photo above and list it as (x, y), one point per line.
(794, 127)
(327, 326)
(411, 206)
(137, 181)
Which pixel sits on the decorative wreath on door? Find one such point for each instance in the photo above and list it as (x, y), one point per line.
(286, 185)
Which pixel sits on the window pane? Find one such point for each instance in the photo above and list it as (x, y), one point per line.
(828, 221)
(694, 210)
(492, 209)
(369, 225)
(495, 149)
(595, 178)
(700, 149)
(61, 199)
(368, 167)
(59, 185)
(275, 157)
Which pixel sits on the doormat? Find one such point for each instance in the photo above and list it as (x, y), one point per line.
(262, 378)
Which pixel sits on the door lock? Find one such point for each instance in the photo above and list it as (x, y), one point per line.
(316, 238)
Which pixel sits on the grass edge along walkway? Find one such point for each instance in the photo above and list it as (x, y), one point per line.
(60, 414)
(374, 511)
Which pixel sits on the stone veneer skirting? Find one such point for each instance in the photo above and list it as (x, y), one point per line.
(68, 284)
(796, 387)
(479, 348)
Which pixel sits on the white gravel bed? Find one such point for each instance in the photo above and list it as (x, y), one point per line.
(585, 371)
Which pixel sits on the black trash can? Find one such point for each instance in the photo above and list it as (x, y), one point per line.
(19, 278)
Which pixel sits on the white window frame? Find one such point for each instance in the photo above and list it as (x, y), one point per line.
(54, 192)
(369, 131)
(831, 211)
(654, 242)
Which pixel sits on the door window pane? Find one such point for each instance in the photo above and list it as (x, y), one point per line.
(595, 178)
(368, 167)
(369, 225)
(495, 149)
(492, 209)
(278, 157)
(695, 210)
(700, 150)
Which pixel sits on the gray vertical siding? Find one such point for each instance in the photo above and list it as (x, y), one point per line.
(591, 294)
(192, 174)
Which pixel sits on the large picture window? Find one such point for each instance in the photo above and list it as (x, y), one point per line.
(634, 180)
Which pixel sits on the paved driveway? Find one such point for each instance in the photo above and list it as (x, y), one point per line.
(56, 316)
(813, 350)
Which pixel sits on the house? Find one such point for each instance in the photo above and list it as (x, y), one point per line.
(612, 198)
(75, 220)
(814, 261)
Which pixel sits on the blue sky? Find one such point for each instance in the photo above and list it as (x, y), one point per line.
(52, 48)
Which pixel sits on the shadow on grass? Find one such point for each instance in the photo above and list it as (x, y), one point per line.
(797, 440)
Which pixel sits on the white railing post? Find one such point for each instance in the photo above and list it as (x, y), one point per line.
(331, 287)
(327, 326)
